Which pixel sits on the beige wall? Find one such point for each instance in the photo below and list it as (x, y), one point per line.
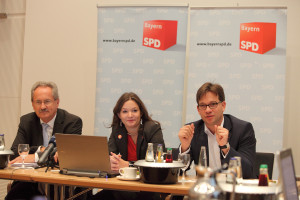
(61, 45)
(11, 58)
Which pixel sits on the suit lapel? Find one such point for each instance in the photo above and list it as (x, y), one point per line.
(201, 140)
(227, 125)
(203, 137)
(123, 146)
(59, 121)
(121, 138)
(138, 144)
(40, 132)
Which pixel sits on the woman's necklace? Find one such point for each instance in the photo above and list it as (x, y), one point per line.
(131, 134)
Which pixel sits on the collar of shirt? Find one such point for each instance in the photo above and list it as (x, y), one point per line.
(51, 125)
(51, 122)
(206, 130)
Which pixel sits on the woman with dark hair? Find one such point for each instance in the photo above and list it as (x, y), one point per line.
(132, 130)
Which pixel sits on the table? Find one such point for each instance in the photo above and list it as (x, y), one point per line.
(53, 177)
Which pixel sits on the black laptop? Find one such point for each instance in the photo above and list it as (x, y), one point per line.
(83, 155)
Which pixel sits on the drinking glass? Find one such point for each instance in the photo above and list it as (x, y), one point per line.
(23, 150)
(239, 174)
(185, 159)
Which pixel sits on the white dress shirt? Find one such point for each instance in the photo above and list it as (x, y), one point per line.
(213, 149)
(50, 131)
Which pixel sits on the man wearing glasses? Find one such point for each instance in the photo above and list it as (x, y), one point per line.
(37, 128)
(223, 135)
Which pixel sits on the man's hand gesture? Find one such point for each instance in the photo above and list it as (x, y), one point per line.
(186, 134)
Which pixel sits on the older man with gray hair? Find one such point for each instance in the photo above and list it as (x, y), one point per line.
(36, 129)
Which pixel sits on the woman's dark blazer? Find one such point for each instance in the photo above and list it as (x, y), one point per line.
(149, 132)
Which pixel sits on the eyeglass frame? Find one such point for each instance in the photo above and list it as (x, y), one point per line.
(212, 105)
(46, 102)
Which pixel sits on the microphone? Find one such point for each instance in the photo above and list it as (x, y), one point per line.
(53, 152)
(45, 155)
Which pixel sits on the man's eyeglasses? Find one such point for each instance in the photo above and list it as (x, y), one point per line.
(47, 102)
(212, 105)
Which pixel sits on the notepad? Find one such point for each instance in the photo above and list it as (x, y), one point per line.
(18, 165)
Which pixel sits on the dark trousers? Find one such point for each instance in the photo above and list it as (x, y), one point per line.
(29, 191)
(124, 195)
(23, 190)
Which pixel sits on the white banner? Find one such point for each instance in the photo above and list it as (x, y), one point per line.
(142, 50)
(245, 51)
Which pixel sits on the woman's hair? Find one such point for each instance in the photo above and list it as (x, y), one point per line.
(210, 87)
(124, 98)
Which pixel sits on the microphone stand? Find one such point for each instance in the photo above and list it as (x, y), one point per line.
(50, 163)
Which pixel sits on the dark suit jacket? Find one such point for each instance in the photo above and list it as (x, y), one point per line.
(31, 132)
(241, 139)
(150, 132)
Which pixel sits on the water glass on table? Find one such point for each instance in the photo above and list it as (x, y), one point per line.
(23, 150)
(185, 159)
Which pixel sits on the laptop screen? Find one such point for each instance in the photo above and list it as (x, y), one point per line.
(287, 175)
(82, 154)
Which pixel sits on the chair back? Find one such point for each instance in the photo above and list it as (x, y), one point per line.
(175, 152)
(263, 158)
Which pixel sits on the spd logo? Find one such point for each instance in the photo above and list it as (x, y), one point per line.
(258, 37)
(160, 34)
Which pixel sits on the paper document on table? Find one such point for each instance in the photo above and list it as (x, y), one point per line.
(33, 165)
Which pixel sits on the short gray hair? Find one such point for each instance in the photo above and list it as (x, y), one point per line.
(49, 84)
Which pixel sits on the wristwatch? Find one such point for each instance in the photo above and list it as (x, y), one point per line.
(131, 164)
(225, 146)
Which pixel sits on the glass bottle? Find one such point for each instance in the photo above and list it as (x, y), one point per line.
(239, 170)
(2, 143)
(263, 179)
(149, 153)
(202, 163)
(203, 157)
(159, 153)
(206, 188)
(169, 157)
(232, 167)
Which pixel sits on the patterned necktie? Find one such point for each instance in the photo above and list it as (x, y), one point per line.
(45, 134)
